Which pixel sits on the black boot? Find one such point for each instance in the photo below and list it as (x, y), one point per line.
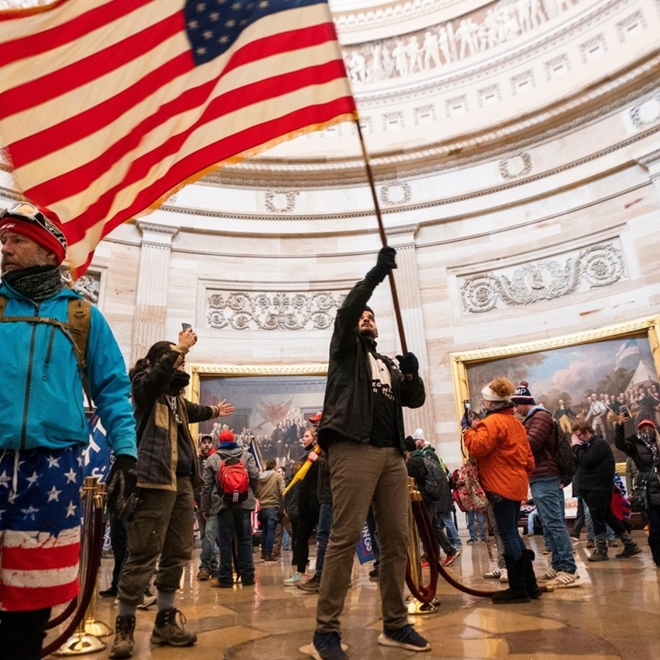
(630, 547)
(601, 549)
(517, 591)
(530, 577)
(654, 544)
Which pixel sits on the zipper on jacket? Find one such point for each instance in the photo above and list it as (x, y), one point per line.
(49, 353)
(29, 380)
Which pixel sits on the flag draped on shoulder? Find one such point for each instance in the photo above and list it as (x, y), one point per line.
(109, 106)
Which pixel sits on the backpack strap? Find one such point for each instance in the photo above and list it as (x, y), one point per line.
(79, 317)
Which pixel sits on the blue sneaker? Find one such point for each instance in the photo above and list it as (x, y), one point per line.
(327, 646)
(404, 638)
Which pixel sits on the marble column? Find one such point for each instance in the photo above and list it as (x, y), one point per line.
(153, 282)
(406, 277)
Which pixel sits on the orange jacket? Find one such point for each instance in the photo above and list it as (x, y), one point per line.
(500, 446)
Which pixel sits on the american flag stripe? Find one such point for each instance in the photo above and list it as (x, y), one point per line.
(108, 108)
(21, 560)
(20, 599)
(29, 540)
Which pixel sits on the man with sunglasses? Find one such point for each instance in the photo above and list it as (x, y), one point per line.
(43, 430)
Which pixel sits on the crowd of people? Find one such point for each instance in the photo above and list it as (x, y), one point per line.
(351, 464)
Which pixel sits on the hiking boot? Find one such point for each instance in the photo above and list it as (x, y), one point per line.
(629, 551)
(122, 647)
(403, 638)
(203, 574)
(311, 586)
(169, 629)
(327, 646)
(599, 555)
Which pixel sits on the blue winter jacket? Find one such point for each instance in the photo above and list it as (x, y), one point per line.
(41, 391)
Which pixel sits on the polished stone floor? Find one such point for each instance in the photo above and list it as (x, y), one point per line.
(614, 614)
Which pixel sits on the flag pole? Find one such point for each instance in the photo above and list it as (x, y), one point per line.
(383, 237)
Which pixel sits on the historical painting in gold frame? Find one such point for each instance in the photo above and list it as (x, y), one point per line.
(618, 364)
(273, 404)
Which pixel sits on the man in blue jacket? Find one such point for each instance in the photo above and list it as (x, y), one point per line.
(362, 432)
(43, 428)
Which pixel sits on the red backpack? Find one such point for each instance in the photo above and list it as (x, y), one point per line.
(233, 480)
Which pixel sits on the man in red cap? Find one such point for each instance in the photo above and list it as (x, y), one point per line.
(644, 451)
(43, 430)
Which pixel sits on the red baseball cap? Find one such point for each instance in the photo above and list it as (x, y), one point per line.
(315, 419)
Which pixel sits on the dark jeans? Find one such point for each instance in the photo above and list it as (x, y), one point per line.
(306, 524)
(267, 518)
(506, 514)
(322, 535)
(234, 521)
(22, 634)
(600, 507)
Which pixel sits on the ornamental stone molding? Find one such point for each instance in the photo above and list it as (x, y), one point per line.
(515, 166)
(281, 201)
(646, 113)
(395, 194)
(89, 286)
(595, 266)
(272, 310)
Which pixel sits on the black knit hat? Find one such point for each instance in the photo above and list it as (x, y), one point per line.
(523, 395)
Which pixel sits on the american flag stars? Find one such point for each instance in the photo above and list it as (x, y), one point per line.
(213, 27)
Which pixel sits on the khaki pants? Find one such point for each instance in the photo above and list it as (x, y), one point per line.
(362, 474)
(162, 528)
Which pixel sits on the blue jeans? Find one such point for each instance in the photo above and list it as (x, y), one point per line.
(507, 513)
(267, 518)
(322, 535)
(235, 522)
(549, 500)
(472, 528)
(208, 557)
(452, 532)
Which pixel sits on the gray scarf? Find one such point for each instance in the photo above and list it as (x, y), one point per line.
(37, 283)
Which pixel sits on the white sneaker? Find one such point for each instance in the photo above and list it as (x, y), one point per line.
(565, 580)
(294, 579)
(551, 574)
(495, 574)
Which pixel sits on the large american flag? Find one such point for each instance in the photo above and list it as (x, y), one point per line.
(109, 106)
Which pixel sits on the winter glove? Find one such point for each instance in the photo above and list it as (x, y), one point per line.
(408, 363)
(121, 481)
(386, 262)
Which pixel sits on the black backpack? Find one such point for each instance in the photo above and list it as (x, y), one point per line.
(436, 480)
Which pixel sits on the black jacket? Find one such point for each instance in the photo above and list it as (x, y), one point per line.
(595, 465)
(348, 404)
(643, 459)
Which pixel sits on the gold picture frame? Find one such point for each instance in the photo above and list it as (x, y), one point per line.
(607, 355)
(264, 395)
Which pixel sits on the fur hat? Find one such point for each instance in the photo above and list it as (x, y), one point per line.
(226, 436)
(500, 389)
(418, 435)
(523, 395)
(40, 225)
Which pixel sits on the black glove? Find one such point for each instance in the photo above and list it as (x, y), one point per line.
(121, 481)
(386, 262)
(408, 363)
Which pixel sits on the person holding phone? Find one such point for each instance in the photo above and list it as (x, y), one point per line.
(642, 448)
(161, 529)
